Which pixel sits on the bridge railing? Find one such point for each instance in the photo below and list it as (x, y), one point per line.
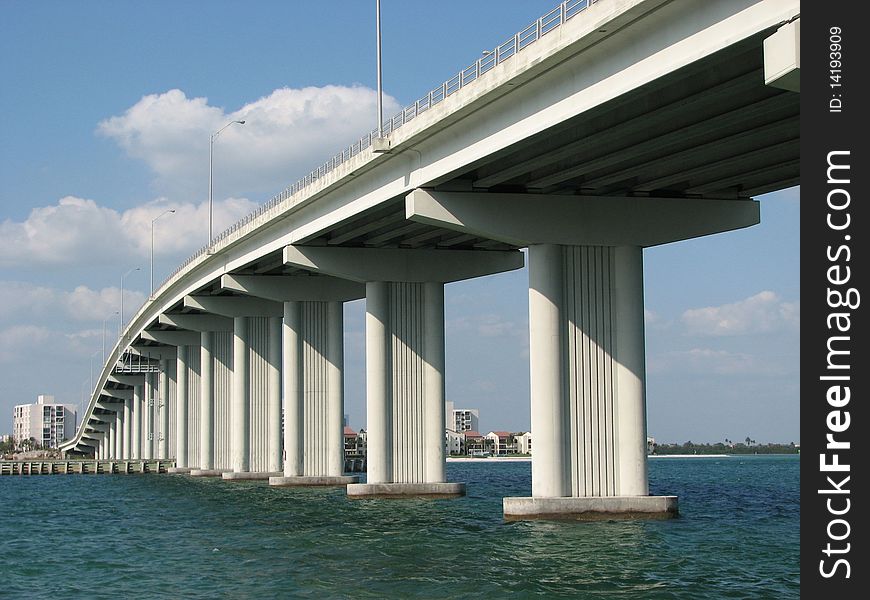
(490, 59)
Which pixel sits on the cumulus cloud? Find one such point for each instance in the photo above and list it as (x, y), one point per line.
(20, 300)
(20, 340)
(80, 231)
(488, 326)
(762, 313)
(286, 134)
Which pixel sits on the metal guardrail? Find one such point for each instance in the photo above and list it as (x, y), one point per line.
(135, 363)
(490, 59)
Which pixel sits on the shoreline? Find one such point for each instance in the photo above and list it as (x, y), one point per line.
(490, 459)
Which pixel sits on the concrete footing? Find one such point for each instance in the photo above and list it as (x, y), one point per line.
(207, 472)
(405, 490)
(313, 481)
(591, 508)
(250, 475)
(177, 470)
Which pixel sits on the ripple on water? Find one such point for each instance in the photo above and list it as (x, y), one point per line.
(174, 536)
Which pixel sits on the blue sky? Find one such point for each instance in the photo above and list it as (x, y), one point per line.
(105, 111)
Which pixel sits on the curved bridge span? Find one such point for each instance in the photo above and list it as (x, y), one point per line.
(601, 129)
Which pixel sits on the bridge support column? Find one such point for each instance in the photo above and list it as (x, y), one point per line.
(136, 425)
(405, 392)
(128, 443)
(240, 409)
(119, 433)
(273, 373)
(181, 400)
(313, 374)
(163, 444)
(206, 402)
(110, 450)
(586, 342)
(148, 418)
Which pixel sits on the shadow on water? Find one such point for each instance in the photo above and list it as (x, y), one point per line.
(174, 536)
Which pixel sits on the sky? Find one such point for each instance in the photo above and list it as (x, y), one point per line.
(106, 108)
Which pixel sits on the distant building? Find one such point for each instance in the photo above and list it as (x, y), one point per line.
(353, 443)
(475, 443)
(454, 443)
(46, 421)
(524, 442)
(650, 445)
(5, 438)
(501, 442)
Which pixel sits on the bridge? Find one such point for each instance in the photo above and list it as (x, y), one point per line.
(601, 129)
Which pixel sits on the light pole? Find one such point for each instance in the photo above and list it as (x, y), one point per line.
(210, 175)
(165, 212)
(105, 321)
(92, 370)
(123, 277)
(380, 86)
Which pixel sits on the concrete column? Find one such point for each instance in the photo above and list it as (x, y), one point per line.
(148, 418)
(136, 426)
(378, 435)
(110, 451)
(433, 380)
(163, 448)
(206, 401)
(181, 409)
(241, 405)
(545, 358)
(273, 460)
(630, 372)
(119, 434)
(292, 375)
(128, 442)
(335, 388)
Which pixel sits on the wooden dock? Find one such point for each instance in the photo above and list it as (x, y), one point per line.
(84, 467)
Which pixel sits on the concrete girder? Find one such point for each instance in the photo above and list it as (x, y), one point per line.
(121, 394)
(171, 338)
(125, 379)
(782, 57)
(230, 306)
(526, 219)
(406, 265)
(159, 352)
(197, 322)
(289, 288)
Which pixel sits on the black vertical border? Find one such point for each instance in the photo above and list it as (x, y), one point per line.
(824, 131)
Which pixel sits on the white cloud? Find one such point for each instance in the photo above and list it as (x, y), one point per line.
(762, 313)
(286, 134)
(80, 231)
(488, 325)
(20, 340)
(705, 361)
(20, 300)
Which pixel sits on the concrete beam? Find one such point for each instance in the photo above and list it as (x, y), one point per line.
(172, 338)
(160, 352)
(289, 288)
(197, 322)
(391, 264)
(126, 379)
(782, 57)
(234, 306)
(121, 394)
(525, 219)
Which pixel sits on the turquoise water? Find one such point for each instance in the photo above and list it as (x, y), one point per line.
(174, 537)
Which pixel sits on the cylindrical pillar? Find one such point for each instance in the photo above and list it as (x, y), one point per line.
(119, 434)
(163, 449)
(110, 451)
(148, 418)
(240, 409)
(378, 391)
(128, 442)
(181, 408)
(292, 375)
(433, 381)
(273, 459)
(136, 425)
(206, 401)
(335, 388)
(546, 372)
(630, 372)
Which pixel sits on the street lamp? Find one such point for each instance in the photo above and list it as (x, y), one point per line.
(123, 277)
(165, 212)
(380, 86)
(210, 175)
(92, 370)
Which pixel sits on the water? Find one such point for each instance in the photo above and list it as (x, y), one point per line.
(172, 536)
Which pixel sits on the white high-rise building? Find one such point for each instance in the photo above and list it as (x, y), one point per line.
(464, 419)
(46, 421)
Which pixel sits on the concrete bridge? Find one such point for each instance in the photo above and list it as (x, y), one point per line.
(601, 129)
